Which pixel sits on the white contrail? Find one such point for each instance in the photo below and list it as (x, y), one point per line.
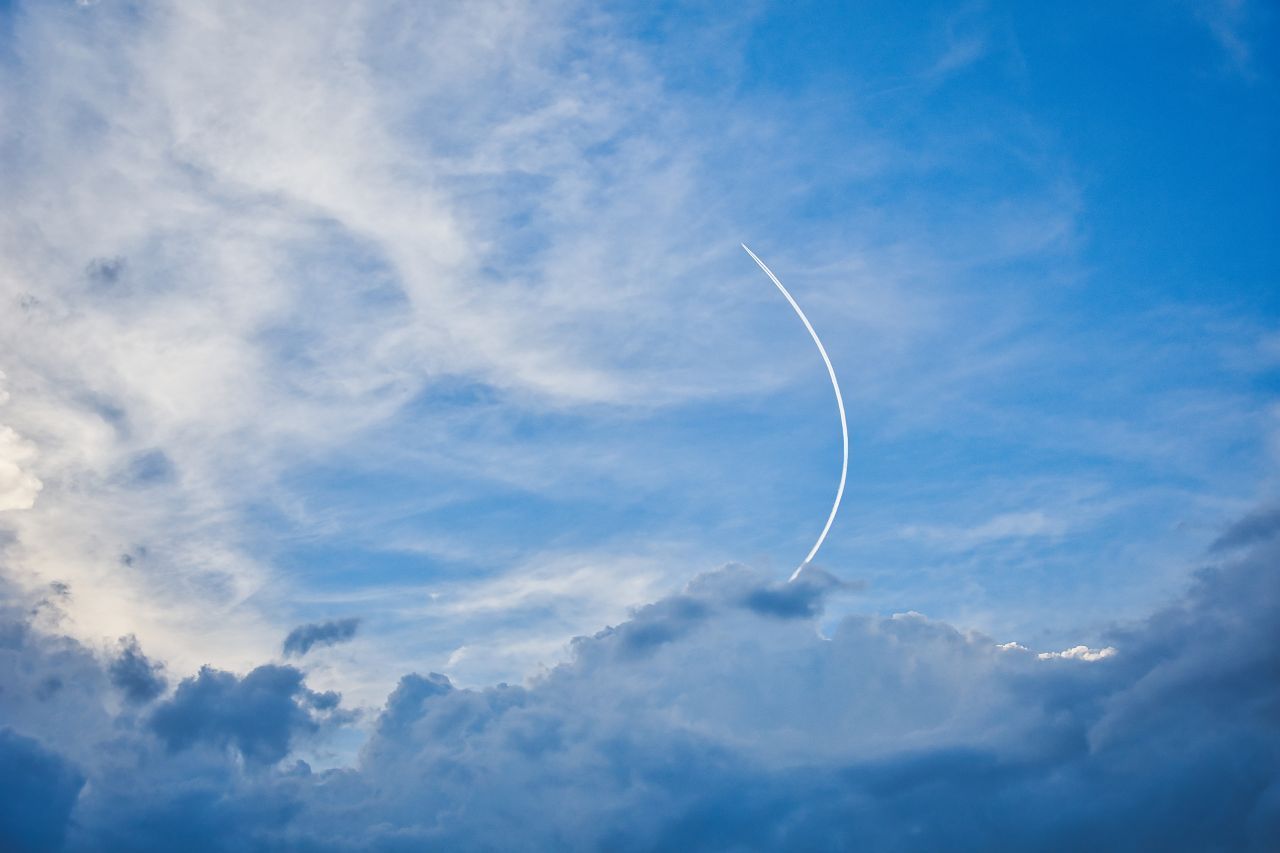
(844, 425)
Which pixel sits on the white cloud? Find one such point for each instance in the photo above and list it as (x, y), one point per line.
(1080, 653)
(296, 264)
(1009, 525)
(18, 487)
(247, 235)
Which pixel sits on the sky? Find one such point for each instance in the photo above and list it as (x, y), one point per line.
(398, 451)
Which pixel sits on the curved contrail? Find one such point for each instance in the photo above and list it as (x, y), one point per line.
(844, 425)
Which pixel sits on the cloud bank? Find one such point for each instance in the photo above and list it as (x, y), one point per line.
(717, 718)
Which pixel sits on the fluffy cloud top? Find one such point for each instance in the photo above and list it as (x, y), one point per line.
(717, 718)
(256, 716)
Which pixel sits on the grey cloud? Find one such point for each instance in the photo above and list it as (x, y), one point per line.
(105, 271)
(753, 733)
(259, 715)
(707, 723)
(1259, 526)
(111, 781)
(139, 678)
(655, 624)
(48, 688)
(802, 599)
(405, 704)
(151, 467)
(37, 791)
(51, 687)
(305, 637)
(323, 701)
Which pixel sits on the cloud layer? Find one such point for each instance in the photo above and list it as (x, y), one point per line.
(717, 718)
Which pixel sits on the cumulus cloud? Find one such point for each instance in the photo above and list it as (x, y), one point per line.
(306, 637)
(258, 715)
(704, 721)
(1079, 653)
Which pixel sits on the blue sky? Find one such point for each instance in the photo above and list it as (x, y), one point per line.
(343, 343)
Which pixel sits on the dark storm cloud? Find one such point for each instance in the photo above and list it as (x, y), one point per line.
(718, 718)
(305, 637)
